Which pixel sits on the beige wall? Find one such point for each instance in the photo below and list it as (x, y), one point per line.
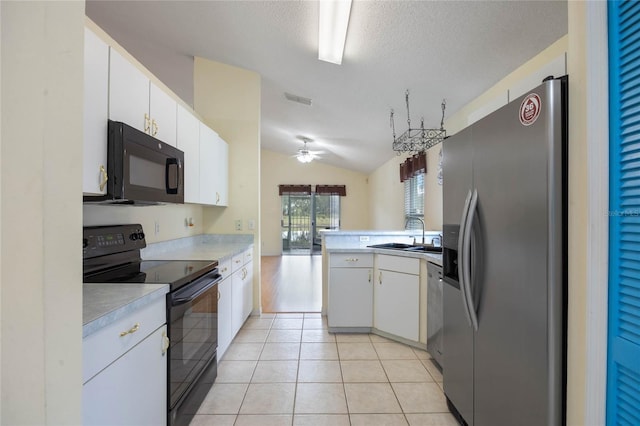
(386, 191)
(283, 169)
(170, 219)
(386, 194)
(41, 174)
(228, 100)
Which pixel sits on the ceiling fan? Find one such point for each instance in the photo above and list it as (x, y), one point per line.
(304, 155)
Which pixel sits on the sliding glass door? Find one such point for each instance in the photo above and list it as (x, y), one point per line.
(303, 216)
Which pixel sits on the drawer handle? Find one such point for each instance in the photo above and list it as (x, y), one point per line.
(224, 269)
(238, 261)
(165, 343)
(131, 330)
(351, 259)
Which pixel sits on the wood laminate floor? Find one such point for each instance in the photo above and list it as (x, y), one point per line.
(291, 283)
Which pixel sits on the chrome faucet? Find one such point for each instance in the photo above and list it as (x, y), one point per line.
(409, 219)
(437, 239)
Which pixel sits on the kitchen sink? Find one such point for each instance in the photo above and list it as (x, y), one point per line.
(393, 246)
(408, 247)
(425, 249)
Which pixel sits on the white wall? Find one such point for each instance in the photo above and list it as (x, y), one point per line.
(41, 175)
(280, 169)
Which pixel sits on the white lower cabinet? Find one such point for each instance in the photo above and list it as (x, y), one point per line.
(241, 289)
(125, 370)
(397, 296)
(350, 290)
(224, 310)
(247, 291)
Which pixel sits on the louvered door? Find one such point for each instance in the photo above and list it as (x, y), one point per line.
(623, 387)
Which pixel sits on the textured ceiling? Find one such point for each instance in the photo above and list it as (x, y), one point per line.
(436, 49)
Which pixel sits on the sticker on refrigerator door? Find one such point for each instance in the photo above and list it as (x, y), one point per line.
(530, 109)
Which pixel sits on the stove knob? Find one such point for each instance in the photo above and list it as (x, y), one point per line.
(133, 236)
(141, 235)
(85, 243)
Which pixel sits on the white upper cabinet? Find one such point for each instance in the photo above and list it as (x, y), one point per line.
(214, 169)
(222, 169)
(128, 93)
(162, 110)
(116, 89)
(96, 102)
(188, 141)
(135, 101)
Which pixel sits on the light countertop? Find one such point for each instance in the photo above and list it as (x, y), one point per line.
(105, 303)
(430, 257)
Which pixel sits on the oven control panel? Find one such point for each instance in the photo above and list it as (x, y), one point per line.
(101, 240)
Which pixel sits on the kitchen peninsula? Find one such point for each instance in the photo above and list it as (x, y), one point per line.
(367, 289)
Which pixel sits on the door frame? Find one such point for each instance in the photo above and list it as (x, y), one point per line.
(597, 238)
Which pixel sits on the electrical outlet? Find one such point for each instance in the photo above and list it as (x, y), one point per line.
(251, 224)
(364, 238)
(238, 224)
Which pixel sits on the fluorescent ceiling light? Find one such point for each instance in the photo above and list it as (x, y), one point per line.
(334, 20)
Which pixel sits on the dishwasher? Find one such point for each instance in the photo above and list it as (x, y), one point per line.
(434, 312)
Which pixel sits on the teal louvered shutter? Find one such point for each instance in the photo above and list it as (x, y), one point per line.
(623, 370)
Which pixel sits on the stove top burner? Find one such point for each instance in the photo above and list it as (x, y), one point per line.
(111, 254)
(173, 272)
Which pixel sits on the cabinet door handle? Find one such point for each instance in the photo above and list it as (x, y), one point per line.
(369, 275)
(105, 178)
(219, 295)
(165, 343)
(131, 330)
(380, 278)
(147, 124)
(154, 127)
(217, 197)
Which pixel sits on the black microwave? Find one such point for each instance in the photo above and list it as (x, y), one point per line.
(141, 169)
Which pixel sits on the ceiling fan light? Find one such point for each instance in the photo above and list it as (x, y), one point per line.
(334, 20)
(305, 157)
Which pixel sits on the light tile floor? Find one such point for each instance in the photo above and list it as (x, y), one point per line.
(287, 369)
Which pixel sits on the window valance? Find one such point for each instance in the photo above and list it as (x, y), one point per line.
(340, 190)
(294, 189)
(413, 166)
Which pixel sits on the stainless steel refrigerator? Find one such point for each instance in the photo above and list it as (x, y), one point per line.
(505, 277)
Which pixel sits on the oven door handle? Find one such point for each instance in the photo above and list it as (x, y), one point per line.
(195, 290)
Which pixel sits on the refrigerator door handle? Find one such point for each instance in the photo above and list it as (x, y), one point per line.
(461, 256)
(466, 260)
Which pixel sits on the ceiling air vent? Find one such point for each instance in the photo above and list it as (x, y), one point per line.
(298, 99)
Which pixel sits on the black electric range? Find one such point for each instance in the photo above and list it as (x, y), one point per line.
(111, 254)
